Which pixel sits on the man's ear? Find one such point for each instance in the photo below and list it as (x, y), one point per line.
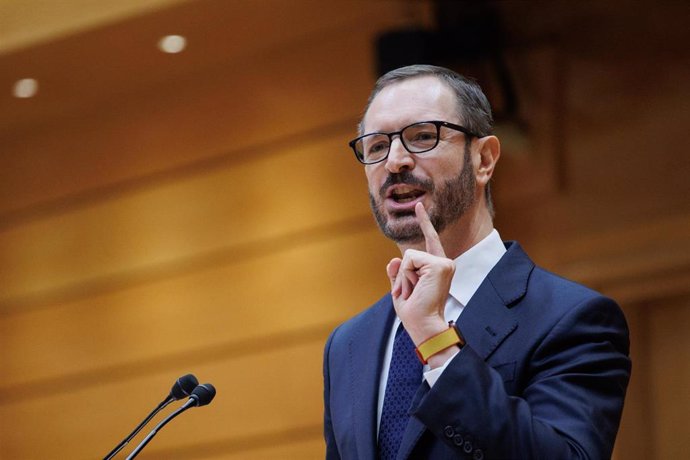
(489, 150)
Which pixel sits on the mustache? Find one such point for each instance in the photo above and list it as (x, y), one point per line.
(407, 178)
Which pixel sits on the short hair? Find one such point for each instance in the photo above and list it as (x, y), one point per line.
(473, 108)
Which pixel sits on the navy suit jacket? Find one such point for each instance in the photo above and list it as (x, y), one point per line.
(543, 375)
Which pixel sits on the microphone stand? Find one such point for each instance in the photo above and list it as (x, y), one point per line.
(125, 441)
(192, 402)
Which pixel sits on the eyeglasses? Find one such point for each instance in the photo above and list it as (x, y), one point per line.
(416, 138)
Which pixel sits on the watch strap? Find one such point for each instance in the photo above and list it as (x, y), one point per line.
(439, 342)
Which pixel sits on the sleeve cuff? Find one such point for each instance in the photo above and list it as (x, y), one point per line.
(432, 375)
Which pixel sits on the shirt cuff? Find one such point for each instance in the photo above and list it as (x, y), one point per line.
(431, 376)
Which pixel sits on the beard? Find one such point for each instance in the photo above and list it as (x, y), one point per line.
(450, 200)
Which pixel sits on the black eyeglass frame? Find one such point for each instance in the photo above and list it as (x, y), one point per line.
(436, 123)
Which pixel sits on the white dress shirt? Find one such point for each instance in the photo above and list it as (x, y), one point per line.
(471, 267)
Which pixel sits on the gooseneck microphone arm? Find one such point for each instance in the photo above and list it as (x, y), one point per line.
(125, 441)
(202, 395)
(164, 422)
(182, 387)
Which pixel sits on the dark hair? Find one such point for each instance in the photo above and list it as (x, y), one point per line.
(474, 110)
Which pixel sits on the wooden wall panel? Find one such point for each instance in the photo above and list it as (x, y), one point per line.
(187, 218)
(281, 292)
(670, 377)
(635, 439)
(276, 390)
(296, 444)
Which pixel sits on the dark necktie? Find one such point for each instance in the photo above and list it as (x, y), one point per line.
(404, 378)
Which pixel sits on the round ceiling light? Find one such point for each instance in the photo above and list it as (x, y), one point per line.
(25, 88)
(172, 44)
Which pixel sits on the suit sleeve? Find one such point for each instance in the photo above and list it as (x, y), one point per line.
(568, 404)
(331, 447)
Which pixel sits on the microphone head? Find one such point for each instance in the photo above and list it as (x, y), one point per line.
(203, 394)
(184, 386)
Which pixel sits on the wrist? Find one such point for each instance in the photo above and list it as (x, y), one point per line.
(442, 357)
(421, 329)
(445, 343)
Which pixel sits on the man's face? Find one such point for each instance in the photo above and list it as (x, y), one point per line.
(442, 179)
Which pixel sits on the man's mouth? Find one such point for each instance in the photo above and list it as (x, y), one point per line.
(405, 194)
(401, 192)
(402, 198)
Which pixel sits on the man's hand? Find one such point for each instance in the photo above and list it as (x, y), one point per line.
(420, 282)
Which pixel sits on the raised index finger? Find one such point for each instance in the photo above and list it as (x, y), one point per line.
(432, 241)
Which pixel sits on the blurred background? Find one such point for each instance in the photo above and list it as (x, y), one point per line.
(177, 195)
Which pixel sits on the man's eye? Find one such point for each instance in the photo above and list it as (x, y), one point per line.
(378, 147)
(424, 136)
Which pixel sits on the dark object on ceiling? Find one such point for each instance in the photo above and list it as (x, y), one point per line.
(468, 34)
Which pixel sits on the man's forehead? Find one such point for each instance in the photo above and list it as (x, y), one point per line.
(408, 101)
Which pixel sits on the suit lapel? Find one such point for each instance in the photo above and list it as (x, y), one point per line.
(366, 359)
(488, 319)
(485, 323)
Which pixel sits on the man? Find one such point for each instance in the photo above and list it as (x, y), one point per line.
(518, 363)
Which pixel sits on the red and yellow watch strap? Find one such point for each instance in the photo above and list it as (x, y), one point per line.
(439, 342)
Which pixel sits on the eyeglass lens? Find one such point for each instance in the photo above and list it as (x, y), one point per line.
(416, 138)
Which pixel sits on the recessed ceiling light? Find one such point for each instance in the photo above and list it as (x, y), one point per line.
(24, 88)
(172, 43)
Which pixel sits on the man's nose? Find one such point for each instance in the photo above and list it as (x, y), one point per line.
(399, 158)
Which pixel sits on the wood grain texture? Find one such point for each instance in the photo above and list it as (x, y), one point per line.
(184, 219)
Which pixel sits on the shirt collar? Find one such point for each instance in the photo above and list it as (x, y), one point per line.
(472, 266)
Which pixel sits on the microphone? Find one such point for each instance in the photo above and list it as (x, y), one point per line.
(181, 388)
(202, 395)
